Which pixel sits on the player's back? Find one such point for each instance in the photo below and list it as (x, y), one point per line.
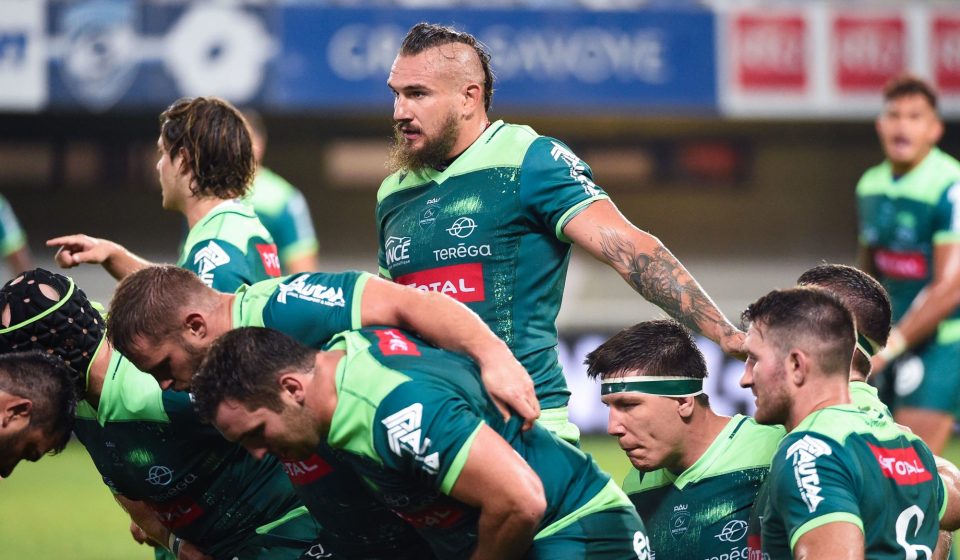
(842, 464)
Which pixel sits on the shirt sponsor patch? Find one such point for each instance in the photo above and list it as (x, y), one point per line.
(462, 282)
(178, 513)
(309, 470)
(392, 342)
(405, 436)
(902, 465)
(313, 292)
(270, 257)
(442, 516)
(209, 258)
(803, 454)
(900, 265)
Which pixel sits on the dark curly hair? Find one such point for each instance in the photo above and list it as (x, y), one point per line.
(423, 36)
(216, 144)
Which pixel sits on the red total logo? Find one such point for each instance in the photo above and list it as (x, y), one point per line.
(868, 51)
(270, 258)
(902, 465)
(178, 513)
(394, 343)
(945, 50)
(771, 51)
(462, 282)
(307, 471)
(900, 265)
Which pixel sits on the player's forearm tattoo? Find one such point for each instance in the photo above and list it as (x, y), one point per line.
(662, 280)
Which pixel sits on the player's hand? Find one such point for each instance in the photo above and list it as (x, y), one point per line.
(733, 344)
(878, 363)
(78, 248)
(511, 388)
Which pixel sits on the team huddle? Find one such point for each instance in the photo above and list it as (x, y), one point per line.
(235, 412)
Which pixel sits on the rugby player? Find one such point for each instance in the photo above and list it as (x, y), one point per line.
(164, 319)
(37, 406)
(696, 473)
(205, 167)
(486, 211)
(186, 487)
(281, 208)
(844, 483)
(416, 423)
(910, 241)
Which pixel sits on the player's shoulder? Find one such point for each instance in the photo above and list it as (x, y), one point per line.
(751, 444)
(874, 179)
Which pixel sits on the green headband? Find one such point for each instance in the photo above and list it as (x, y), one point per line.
(867, 346)
(664, 386)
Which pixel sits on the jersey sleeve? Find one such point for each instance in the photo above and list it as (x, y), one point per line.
(426, 434)
(947, 219)
(555, 185)
(381, 244)
(12, 238)
(812, 485)
(220, 265)
(312, 307)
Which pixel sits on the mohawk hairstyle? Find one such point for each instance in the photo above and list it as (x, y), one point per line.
(423, 36)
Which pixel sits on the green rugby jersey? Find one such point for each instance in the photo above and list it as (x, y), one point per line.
(149, 445)
(864, 397)
(284, 212)
(488, 231)
(844, 465)
(902, 219)
(703, 513)
(407, 416)
(229, 247)
(12, 238)
(312, 308)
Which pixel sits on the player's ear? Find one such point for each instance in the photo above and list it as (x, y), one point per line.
(196, 325)
(292, 386)
(472, 97)
(685, 406)
(797, 364)
(15, 411)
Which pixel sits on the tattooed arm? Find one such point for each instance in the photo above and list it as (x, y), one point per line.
(650, 269)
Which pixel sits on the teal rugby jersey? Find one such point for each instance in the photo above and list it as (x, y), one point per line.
(488, 231)
(406, 418)
(844, 465)
(312, 308)
(902, 219)
(284, 212)
(150, 446)
(229, 247)
(12, 238)
(703, 513)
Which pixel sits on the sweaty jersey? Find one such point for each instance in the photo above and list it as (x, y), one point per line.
(284, 212)
(864, 396)
(844, 465)
(407, 417)
(149, 445)
(488, 231)
(12, 238)
(229, 247)
(312, 308)
(703, 513)
(903, 219)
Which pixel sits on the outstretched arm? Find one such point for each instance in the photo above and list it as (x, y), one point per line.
(147, 521)
(650, 269)
(78, 249)
(449, 324)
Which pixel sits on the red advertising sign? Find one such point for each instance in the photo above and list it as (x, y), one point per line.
(770, 51)
(867, 52)
(945, 52)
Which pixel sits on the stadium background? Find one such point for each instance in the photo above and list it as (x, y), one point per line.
(733, 130)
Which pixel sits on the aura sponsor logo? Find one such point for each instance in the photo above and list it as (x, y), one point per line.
(393, 342)
(577, 168)
(209, 258)
(462, 282)
(300, 288)
(462, 227)
(804, 453)
(902, 465)
(397, 250)
(405, 436)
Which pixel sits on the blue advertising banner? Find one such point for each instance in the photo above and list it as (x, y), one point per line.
(141, 55)
(544, 60)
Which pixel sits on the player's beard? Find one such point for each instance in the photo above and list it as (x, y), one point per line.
(434, 152)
